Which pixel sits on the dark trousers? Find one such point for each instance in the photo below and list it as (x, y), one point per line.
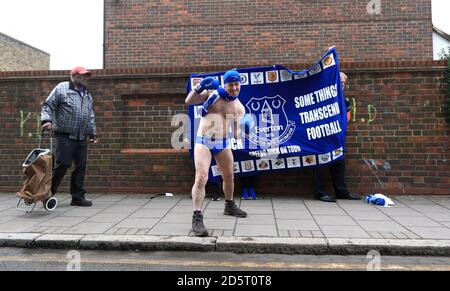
(337, 172)
(68, 151)
(247, 181)
(215, 188)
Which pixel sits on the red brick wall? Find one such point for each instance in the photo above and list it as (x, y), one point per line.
(236, 33)
(399, 130)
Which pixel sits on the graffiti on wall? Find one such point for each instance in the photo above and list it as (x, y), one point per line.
(371, 112)
(31, 117)
(378, 165)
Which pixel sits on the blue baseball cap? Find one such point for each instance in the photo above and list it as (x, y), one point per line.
(231, 76)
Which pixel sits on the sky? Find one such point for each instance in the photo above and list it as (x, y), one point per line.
(441, 11)
(71, 31)
(47, 24)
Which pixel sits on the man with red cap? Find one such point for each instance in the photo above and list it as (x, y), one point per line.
(68, 112)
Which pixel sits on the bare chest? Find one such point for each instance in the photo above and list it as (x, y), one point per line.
(224, 108)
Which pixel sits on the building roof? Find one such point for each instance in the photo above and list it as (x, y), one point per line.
(22, 43)
(441, 33)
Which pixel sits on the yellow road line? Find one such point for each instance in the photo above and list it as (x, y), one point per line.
(227, 264)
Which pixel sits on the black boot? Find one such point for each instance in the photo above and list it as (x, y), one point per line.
(325, 198)
(232, 209)
(81, 202)
(198, 227)
(349, 196)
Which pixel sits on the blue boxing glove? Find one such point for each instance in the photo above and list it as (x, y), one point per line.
(247, 123)
(208, 83)
(224, 94)
(372, 199)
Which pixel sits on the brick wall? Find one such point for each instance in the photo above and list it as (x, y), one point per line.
(143, 33)
(18, 56)
(398, 142)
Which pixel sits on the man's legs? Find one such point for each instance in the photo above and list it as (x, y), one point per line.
(202, 161)
(225, 163)
(337, 171)
(245, 184)
(77, 180)
(251, 187)
(65, 149)
(319, 174)
(214, 189)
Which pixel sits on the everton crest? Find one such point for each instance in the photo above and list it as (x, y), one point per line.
(273, 127)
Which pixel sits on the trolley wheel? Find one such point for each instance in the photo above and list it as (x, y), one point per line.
(28, 203)
(50, 204)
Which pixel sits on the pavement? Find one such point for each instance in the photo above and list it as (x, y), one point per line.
(416, 225)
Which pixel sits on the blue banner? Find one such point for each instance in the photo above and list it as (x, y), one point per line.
(300, 118)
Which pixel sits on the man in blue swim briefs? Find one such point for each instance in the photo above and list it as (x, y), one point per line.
(221, 109)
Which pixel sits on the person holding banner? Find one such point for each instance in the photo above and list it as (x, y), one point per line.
(221, 109)
(337, 170)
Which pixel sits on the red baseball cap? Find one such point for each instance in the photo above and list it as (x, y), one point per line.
(81, 71)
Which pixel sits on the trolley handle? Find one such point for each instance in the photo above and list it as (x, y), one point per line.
(46, 133)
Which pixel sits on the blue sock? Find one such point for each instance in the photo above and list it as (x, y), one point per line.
(252, 193)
